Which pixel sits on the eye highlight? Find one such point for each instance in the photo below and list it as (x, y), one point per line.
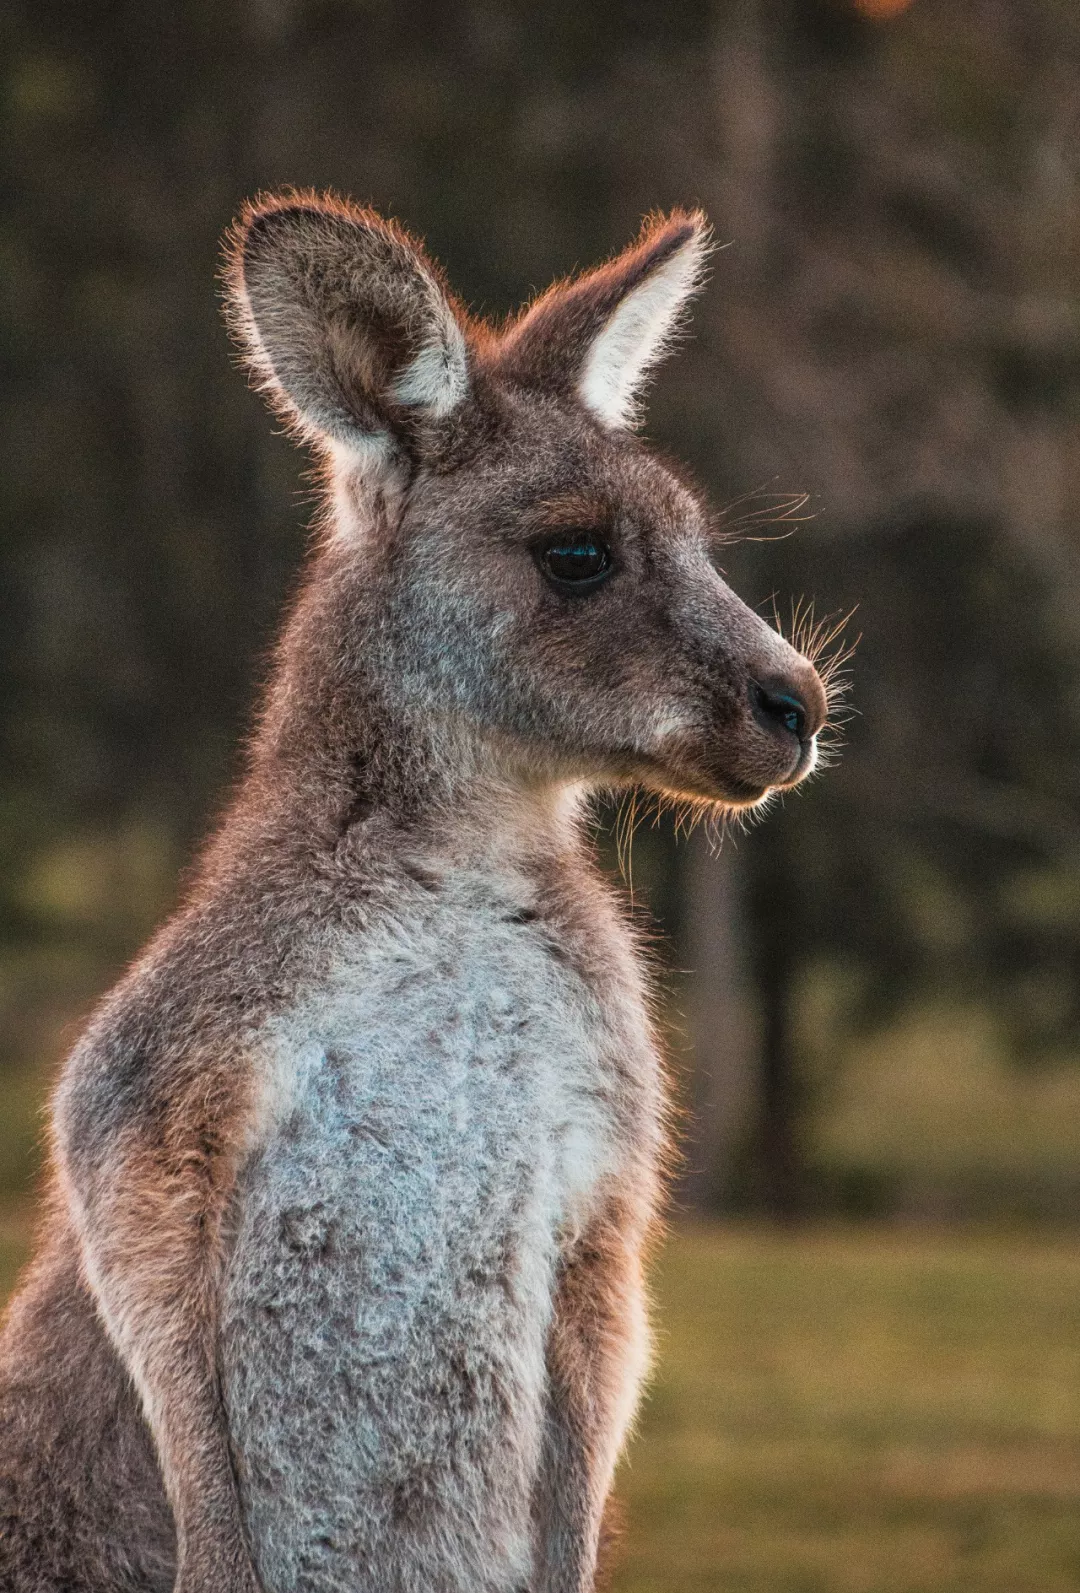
(578, 561)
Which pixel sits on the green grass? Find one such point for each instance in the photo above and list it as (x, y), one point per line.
(852, 1411)
(859, 1411)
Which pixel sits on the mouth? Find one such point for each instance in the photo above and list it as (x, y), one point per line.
(699, 778)
(805, 765)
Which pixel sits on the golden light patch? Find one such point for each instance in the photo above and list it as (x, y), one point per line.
(881, 10)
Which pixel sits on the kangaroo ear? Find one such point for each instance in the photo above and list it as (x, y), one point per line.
(344, 321)
(598, 337)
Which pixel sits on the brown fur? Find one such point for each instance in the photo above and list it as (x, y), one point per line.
(596, 1332)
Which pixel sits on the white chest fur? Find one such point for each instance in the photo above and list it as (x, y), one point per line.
(446, 1108)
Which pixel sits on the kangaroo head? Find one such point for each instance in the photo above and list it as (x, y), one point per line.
(502, 557)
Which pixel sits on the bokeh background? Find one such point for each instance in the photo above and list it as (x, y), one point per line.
(870, 1357)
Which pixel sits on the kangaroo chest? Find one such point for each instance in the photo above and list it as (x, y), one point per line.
(446, 1108)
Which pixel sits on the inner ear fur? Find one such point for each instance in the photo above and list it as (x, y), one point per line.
(597, 337)
(345, 323)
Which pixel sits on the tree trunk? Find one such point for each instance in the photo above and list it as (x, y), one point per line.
(723, 1027)
(780, 1174)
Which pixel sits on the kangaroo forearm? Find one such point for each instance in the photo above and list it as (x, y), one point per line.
(570, 1508)
(150, 1238)
(597, 1354)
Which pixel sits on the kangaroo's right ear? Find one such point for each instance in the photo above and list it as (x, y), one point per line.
(344, 321)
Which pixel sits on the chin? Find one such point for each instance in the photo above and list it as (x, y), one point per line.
(722, 797)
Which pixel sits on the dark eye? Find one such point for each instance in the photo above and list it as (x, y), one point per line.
(576, 560)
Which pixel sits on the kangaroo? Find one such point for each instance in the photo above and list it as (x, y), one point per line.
(340, 1285)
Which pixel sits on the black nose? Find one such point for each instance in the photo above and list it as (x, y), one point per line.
(778, 708)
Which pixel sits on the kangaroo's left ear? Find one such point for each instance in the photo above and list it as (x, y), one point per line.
(598, 337)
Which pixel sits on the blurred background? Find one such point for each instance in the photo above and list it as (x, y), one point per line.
(870, 1361)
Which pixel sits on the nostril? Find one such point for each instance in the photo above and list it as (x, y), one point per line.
(779, 709)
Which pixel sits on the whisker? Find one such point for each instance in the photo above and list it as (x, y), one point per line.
(823, 642)
(773, 508)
